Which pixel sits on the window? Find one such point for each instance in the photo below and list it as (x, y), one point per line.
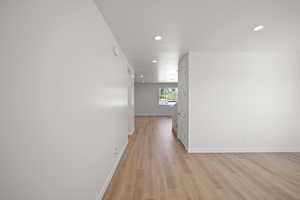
(167, 96)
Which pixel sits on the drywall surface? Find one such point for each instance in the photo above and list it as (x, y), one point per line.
(147, 99)
(63, 100)
(244, 102)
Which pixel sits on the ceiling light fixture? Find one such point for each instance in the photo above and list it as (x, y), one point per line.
(141, 75)
(258, 28)
(158, 37)
(154, 61)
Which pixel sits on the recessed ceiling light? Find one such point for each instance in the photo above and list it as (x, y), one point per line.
(158, 37)
(154, 61)
(141, 75)
(258, 28)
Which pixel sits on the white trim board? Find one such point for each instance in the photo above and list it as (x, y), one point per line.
(112, 172)
(153, 116)
(244, 150)
(132, 132)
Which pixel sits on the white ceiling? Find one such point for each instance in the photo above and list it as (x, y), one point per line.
(198, 25)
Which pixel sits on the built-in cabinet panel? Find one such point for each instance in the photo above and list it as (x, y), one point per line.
(130, 100)
(182, 104)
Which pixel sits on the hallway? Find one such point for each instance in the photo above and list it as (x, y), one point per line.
(156, 166)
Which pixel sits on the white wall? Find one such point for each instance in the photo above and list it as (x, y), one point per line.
(244, 102)
(63, 100)
(147, 97)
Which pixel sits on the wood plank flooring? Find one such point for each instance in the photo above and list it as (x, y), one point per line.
(156, 167)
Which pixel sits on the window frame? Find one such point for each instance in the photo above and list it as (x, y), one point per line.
(176, 88)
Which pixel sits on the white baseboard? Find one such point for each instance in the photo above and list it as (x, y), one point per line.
(109, 177)
(132, 132)
(244, 150)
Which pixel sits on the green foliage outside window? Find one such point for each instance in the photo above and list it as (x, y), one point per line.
(167, 96)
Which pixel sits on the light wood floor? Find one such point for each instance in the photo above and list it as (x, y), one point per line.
(156, 167)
